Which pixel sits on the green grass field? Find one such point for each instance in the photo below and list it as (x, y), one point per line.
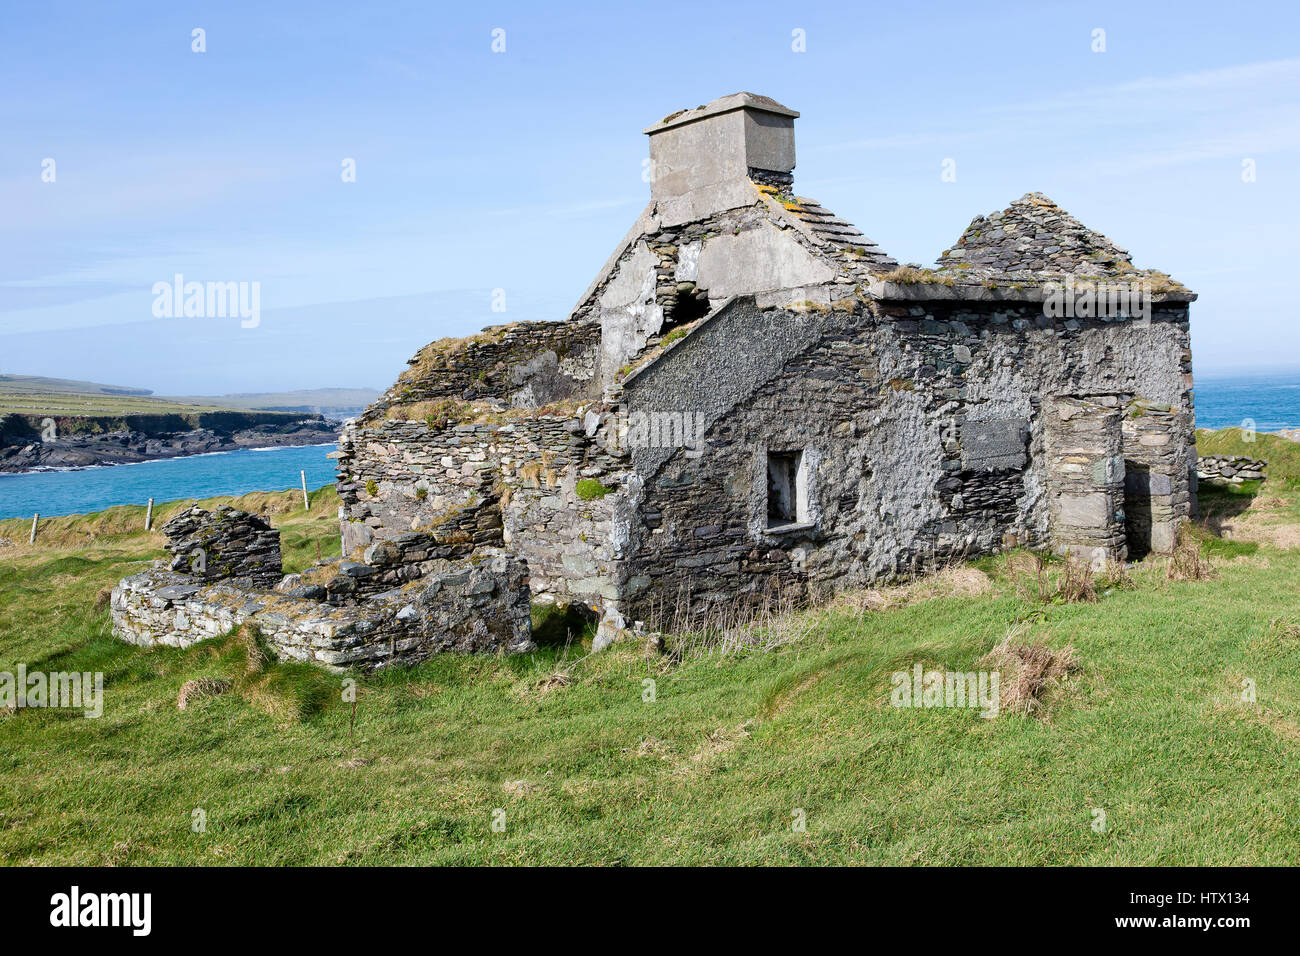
(33, 395)
(567, 754)
(67, 403)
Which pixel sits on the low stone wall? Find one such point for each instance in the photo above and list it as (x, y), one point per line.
(1230, 469)
(480, 604)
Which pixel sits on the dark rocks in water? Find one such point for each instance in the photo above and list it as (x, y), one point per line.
(126, 447)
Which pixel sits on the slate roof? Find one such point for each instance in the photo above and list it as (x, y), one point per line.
(1031, 237)
(841, 234)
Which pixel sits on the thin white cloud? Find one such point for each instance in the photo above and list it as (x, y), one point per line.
(1267, 78)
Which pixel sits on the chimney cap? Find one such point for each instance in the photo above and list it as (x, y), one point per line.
(723, 104)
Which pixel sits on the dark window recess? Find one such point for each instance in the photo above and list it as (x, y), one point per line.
(782, 487)
(685, 307)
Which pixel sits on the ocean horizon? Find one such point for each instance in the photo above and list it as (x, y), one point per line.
(1265, 401)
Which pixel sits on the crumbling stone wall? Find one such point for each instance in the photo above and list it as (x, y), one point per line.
(400, 476)
(522, 365)
(478, 605)
(386, 564)
(224, 544)
(514, 482)
(414, 595)
(560, 491)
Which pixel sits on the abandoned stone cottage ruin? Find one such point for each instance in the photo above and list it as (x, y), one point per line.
(752, 398)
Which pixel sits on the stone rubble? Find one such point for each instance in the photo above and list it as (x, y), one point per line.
(479, 602)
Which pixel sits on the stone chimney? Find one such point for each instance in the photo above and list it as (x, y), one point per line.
(705, 161)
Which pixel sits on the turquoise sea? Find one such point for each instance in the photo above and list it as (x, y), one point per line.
(55, 493)
(1271, 401)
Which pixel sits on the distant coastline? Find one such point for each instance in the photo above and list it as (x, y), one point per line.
(125, 446)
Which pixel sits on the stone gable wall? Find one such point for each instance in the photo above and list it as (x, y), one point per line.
(783, 255)
(922, 427)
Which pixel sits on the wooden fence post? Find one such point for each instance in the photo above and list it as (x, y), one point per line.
(148, 516)
(35, 518)
(305, 505)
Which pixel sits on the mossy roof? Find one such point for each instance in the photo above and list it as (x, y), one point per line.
(1035, 239)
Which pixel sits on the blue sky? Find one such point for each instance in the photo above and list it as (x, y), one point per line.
(521, 170)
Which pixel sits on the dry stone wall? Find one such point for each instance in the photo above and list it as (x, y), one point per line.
(480, 605)
(1231, 469)
(225, 543)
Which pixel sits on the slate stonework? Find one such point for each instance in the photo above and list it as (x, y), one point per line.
(225, 543)
(461, 606)
(850, 420)
(1231, 469)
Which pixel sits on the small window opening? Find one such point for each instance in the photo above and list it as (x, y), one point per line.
(686, 307)
(785, 491)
